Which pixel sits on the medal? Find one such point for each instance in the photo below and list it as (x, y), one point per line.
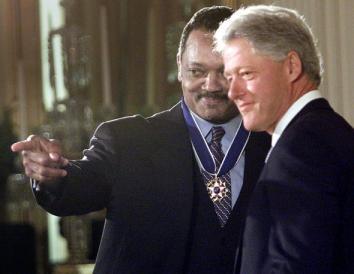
(217, 189)
(203, 152)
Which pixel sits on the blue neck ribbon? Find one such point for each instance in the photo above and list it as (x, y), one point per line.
(204, 154)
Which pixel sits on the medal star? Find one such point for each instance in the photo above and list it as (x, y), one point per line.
(217, 189)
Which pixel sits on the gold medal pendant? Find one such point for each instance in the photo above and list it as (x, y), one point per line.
(217, 189)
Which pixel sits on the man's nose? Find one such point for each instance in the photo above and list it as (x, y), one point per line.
(213, 82)
(235, 91)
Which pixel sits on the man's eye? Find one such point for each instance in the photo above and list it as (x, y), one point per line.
(248, 75)
(196, 72)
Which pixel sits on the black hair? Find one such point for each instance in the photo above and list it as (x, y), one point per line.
(208, 19)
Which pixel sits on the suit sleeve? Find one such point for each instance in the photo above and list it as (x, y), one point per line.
(87, 186)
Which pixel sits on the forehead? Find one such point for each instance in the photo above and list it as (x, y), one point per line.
(199, 48)
(240, 51)
(238, 47)
(199, 35)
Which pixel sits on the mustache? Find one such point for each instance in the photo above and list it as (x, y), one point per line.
(214, 95)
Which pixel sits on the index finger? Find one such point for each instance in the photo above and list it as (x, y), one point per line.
(22, 145)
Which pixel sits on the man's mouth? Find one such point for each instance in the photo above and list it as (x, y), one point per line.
(244, 107)
(213, 96)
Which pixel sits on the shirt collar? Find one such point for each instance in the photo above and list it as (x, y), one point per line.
(294, 109)
(230, 127)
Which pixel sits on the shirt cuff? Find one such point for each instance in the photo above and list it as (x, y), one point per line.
(35, 185)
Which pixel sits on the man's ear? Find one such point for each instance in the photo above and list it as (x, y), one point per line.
(294, 66)
(179, 67)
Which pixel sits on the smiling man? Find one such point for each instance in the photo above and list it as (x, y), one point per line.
(301, 214)
(203, 83)
(172, 206)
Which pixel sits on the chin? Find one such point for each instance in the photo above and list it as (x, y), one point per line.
(217, 119)
(249, 125)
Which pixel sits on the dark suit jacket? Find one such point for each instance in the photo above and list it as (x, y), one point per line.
(142, 171)
(301, 214)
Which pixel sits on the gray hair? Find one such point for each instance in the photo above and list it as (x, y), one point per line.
(273, 31)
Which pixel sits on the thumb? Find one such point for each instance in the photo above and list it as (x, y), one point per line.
(62, 161)
(51, 146)
(54, 156)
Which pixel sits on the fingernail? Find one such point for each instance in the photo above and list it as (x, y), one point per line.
(54, 156)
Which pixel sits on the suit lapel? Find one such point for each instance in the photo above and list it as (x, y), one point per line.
(173, 163)
(256, 151)
(174, 158)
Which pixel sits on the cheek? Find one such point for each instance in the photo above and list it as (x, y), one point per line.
(261, 91)
(192, 85)
(254, 87)
(268, 103)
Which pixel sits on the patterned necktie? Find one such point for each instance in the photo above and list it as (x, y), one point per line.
(222, 206)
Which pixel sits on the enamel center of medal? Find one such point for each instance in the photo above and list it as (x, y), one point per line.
(217, 189)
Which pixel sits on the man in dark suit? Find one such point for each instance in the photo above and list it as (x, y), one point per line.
(154, 175)
(301, 213)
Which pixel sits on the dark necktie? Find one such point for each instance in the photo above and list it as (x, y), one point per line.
(222, 205)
